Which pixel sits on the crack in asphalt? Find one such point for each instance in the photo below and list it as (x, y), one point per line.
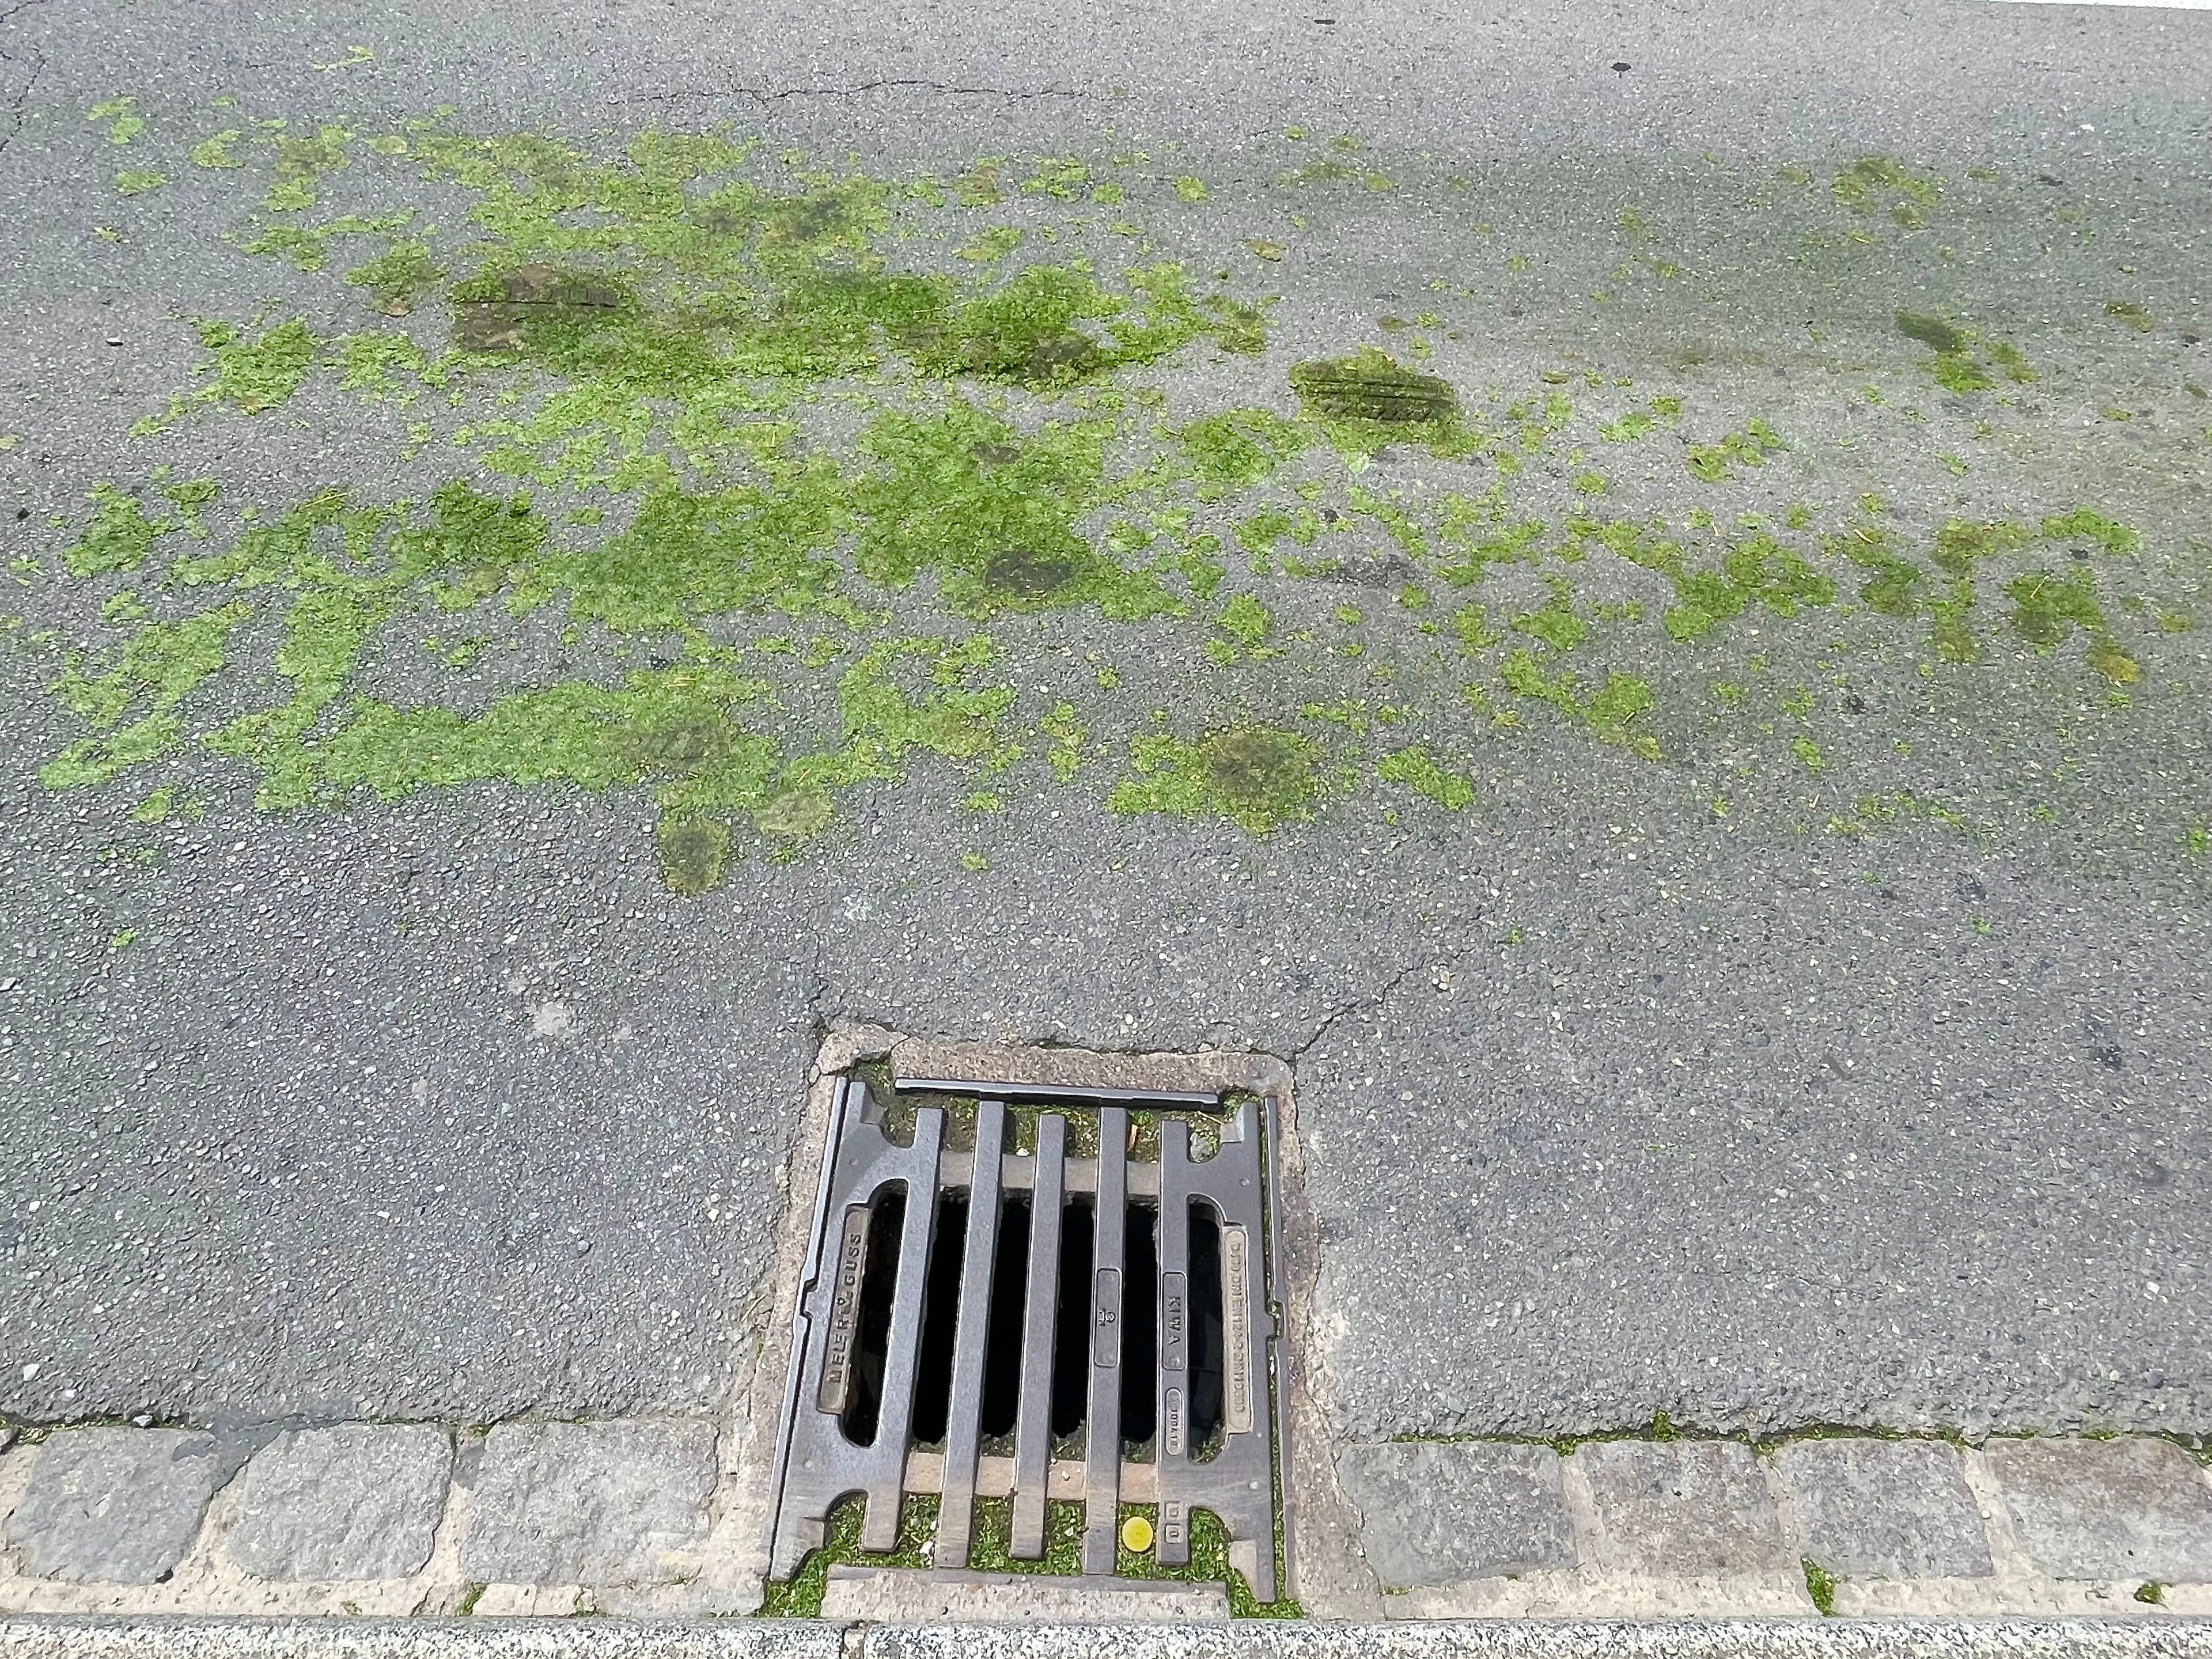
(18, 108)
(1366, 1003)
(818, 989)
(765, 95)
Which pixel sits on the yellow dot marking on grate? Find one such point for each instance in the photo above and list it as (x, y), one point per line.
(1136, 1535)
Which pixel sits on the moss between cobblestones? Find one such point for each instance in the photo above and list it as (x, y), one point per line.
(1662, 1428)
(1821, 1585)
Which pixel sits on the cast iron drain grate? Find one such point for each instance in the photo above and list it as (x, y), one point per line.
(1048, 1295)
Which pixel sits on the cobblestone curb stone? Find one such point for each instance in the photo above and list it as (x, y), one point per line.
(588, 1502)
(1884, 1509)
(609, 1638)
(1847, 1525)
(659, 1518)
(113, 1506)
(415, 1638)
(1680, 1509)
(1460, 1511)
(2107, 1508)
(354, 1502)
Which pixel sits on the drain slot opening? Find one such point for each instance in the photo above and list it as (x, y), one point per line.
(872, 1339)
(1204, 1332)
(940, 1318)
(1002, 1343)
(1140, 1332)
(1071, 1348)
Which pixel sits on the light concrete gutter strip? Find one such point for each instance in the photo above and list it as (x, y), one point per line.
(74, 1637)
(1548, 1638)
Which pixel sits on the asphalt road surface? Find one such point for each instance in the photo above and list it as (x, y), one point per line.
(1773, 998)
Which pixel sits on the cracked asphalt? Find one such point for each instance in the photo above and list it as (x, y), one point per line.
(1610, 1108)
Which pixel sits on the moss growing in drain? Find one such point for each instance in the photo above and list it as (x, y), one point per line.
(1820, 1586)
(1209, 1563)
(989, 1551)
(800, 1596)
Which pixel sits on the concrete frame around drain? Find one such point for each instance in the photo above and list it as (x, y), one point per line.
(1325, 1569)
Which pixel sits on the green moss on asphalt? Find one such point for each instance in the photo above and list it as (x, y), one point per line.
(1258, 777)
(728, 415)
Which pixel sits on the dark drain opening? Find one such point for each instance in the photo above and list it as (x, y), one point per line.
(1139, 1334)
(1071, 1348)
(940, 1318)
(871, 1341)
(1002, 1342)
(1204, 1332)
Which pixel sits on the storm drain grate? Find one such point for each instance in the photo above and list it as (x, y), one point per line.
(1052, 1296)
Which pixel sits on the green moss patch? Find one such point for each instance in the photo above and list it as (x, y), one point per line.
(1258, 777)
(1965, 360)
(1371, 387)
(796, 463)
(1885, 185)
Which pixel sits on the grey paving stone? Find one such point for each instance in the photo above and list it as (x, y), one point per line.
(1436, 1513)
(1681, 1507)
(2107, 1508)
(356, 1501)
(113, 1506)
(66, 1637)
(1885, 1508)
(587, 1503)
